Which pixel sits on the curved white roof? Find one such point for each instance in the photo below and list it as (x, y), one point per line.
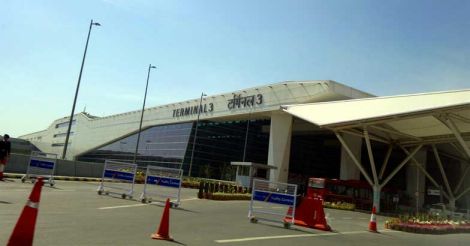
(418, 115)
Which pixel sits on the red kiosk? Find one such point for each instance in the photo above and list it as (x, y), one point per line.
(309, 212)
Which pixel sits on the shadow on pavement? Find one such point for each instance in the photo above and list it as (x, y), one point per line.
(174, 241)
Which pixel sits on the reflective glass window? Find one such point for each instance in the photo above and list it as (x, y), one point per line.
(159, 145)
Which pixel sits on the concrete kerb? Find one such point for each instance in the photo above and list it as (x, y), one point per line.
(66, 178)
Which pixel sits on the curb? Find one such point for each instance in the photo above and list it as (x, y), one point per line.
(66, 178)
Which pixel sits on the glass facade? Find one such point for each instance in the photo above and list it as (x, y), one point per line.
(217, 144)
(314, 155)
(159, 145)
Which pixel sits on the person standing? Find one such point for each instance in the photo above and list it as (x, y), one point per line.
(5, 149)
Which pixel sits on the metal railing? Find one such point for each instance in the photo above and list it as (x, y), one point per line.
(18, 163)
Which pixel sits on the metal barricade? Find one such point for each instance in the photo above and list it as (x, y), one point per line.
(163, 182)
(118, 176)
(41, 165)
(272, 199)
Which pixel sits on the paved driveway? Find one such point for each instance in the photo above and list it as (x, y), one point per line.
(71, 213)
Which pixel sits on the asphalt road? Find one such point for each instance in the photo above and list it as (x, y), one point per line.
(72, 213)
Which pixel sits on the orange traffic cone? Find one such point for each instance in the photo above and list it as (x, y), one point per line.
(320, 220)
(163, 229)
(23, 234)
(373, 221)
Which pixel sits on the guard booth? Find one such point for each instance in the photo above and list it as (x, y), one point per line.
(246, 171)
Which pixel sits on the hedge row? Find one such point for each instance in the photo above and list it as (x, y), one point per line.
(209, 190)
(227, 196)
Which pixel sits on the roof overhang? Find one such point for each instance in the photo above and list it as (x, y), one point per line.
(417, 118)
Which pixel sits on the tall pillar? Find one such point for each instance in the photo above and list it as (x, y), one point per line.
(376, 197)
(415, 180)
(280, 135)
(348, 169)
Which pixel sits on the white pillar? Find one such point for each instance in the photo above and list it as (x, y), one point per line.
(376, 197)
(415, 180)
(280, 135)
(348, 169)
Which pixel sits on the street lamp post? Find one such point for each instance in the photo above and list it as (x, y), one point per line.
(142, 114)
(76, 91)
(195, 133)
(246, 137)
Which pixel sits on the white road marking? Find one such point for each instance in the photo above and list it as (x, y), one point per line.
(231, 201)
(124, 206)
(275, 207)
(293, 236)
(139, 205)
(190, 199)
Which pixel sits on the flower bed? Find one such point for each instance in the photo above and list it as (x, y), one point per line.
(427, 224)
(339, 205)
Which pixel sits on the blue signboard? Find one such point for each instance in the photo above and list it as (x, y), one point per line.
(170, 182)
(41, 164)
(274, 198)
(118, 175)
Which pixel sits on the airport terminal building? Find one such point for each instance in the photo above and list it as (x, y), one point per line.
(413, 143)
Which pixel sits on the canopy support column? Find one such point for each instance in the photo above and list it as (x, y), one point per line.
(425, 172)
(451, 125)
(386, 159)
(463, 193)
(358, 164)
(444, 177)
(371, 156)
(397, 169)
(462, 179)
(457, 135)
(376, 187)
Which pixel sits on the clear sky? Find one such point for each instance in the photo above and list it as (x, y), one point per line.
(381, 47)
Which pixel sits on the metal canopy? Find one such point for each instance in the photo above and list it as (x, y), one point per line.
(406, 121)
(410, 119)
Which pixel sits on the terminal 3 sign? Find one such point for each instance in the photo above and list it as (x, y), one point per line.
(249, 101)
(203, 108)
(236, 102)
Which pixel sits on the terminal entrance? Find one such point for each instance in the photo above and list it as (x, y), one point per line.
(318, 154)
(420, 127)
(314, 155)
